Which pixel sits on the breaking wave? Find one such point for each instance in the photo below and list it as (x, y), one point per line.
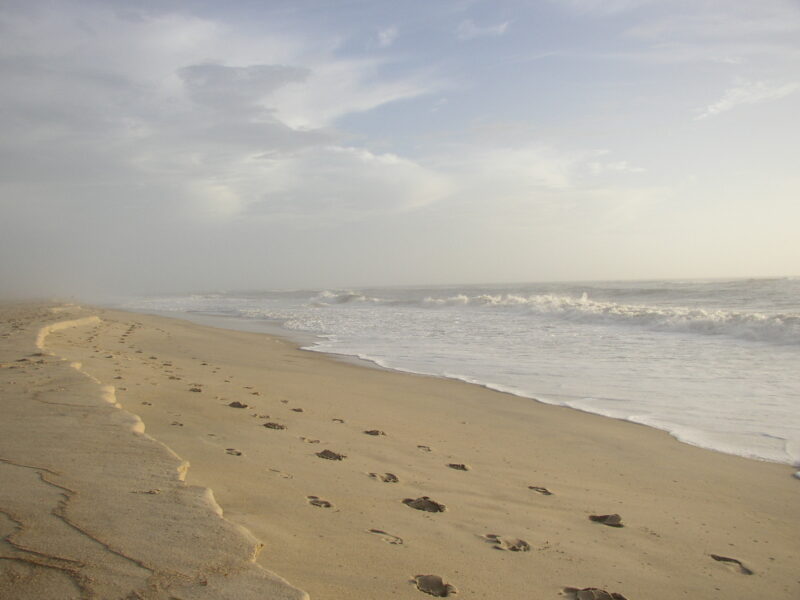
(782, 328)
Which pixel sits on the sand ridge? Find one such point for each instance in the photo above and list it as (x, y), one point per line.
(513, 475)
(91, 506)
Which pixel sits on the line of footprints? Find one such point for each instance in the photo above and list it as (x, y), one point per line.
(430, 584)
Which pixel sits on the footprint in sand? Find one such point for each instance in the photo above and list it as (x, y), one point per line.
(309, 440)
(331, 455)
(177, 423)
(425, 503)
(237, 404)
(433, 585)
(424, 448)
(338, 420)
(297, 410)
(283, 474)
(385, 477)
(542, 490)
(388, 537)
(274, 426)
(591, 593)
(611, 520)
(233, 451)
(316, 501)
(195, 389)
(503, 543)
(733, 561)
(458, 466)
(374, 432)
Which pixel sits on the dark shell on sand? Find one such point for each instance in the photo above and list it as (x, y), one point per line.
(611, 520)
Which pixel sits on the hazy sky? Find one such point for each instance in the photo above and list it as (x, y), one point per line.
(193, 145)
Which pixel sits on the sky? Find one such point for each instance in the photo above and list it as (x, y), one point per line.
(155, 146)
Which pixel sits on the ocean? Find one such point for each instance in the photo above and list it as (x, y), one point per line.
(715, 363)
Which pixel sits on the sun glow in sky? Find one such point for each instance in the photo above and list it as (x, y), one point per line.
(193, 145)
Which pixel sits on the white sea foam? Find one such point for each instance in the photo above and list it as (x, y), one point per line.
(779, 328)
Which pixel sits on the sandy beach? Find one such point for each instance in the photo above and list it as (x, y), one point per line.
(148, 457)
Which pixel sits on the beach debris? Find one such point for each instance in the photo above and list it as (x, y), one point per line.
(542, 490)
(331, 455)
(374, 432)
(433, 585)
(297, 410)
(591, 593)
(742, 569)
(271, 425)
(425, 503)
(237, 404)
(195, 389)
(611, 520)
(511, 544)
(458, 466)
(385, 478)
(316, 501)
(233, 451)
(309, 440)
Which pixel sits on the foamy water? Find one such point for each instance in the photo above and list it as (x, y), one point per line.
(715, 363)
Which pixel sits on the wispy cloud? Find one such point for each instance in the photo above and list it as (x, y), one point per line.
(468, 30)
(387, 37)
(748, 93)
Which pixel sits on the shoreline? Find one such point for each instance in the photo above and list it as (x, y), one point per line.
(335, 531)
(304, 341)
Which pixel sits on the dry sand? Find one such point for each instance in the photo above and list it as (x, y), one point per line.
(344, 486)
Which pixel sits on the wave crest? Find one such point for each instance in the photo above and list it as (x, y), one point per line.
(778, 328)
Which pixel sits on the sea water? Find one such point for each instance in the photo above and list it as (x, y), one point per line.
(715, 363)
